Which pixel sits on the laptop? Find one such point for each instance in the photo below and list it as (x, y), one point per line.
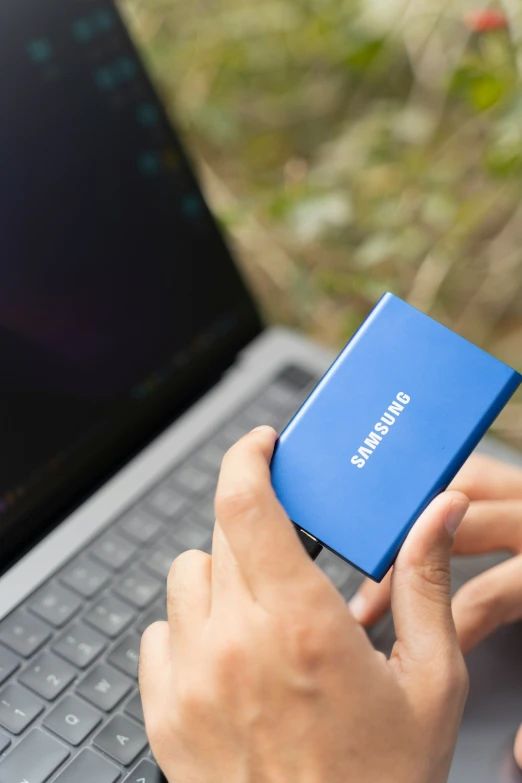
(132, 357)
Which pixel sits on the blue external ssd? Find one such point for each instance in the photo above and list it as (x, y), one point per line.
(385, 431)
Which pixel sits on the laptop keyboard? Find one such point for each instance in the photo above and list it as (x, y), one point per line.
(70, 709)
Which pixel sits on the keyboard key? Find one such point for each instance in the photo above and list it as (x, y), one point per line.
(34, 759)
(104, 687)
(138, 588)
(121, 739)
(256, 410)
(24, 634)
(256, 415)
(5, 741)
(194, 480)
(294, 379)
(18, 709)
(88, 767)
(158, 613)
(145, 772)
(140, 527)
(126, 655)
(80, 645)
(9, 663)
(55, 605)
(167, 501)
(191, 535)
(134, 708)
(86, 578)
(279, 397)
(230, 434)
(72, 720)
(211, 455)
(113, 551)
(110, 616)
(277, 402)
(48, 676)
(160, 559)
(206, 512)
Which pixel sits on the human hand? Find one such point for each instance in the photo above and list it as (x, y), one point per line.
(262, 674)
(493, 523)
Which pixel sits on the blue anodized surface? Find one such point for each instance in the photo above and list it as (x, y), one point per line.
(385, 431)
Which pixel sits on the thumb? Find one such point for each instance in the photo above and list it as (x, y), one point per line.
(421, 583)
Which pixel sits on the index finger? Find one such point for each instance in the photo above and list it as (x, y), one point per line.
(260, 535)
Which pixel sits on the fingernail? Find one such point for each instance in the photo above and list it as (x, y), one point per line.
(263, 427)
(357, 606)
(455, 515)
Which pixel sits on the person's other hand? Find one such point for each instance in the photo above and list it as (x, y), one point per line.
(492, 524)
(262, 674)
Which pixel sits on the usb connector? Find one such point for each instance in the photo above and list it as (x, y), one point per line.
(311, 544)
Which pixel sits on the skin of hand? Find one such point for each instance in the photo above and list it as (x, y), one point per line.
(262, 674)
(492, 524)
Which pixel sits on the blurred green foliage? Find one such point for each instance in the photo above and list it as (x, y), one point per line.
(355, 146)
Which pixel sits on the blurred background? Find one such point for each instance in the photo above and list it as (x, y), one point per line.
(351, 147)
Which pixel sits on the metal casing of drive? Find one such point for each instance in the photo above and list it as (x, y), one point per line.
(386, 430)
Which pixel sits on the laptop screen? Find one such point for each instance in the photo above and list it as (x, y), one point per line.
(118, 298)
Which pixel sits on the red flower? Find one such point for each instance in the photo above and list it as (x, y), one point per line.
(486, 20)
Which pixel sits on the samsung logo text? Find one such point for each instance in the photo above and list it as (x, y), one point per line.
(381, 429)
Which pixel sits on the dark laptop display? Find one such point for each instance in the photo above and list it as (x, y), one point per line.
(118, 298)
